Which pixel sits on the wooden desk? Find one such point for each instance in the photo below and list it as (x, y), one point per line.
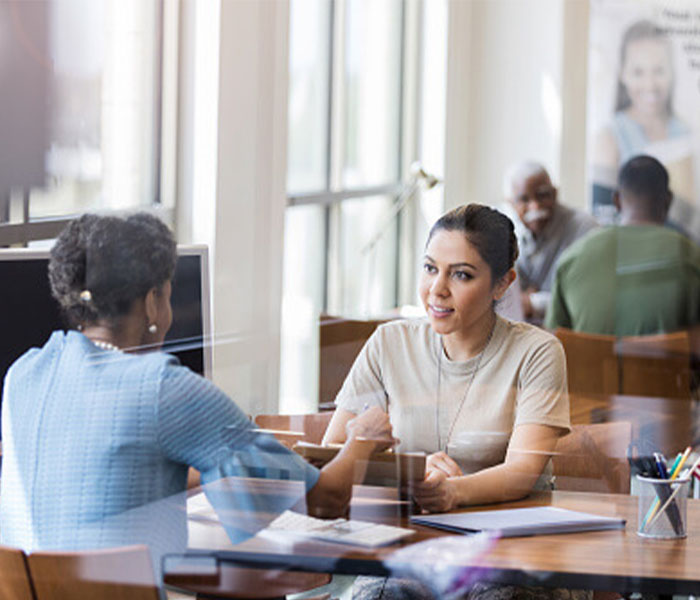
(607, 560)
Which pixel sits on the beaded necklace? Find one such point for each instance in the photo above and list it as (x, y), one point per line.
(106, 345)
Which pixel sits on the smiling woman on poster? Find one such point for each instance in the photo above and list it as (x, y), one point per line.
(644, 120)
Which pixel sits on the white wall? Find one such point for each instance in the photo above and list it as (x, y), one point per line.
(512, 66)
(231, 186)
(572, 169)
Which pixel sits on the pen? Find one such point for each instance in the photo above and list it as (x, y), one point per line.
(663, 508)
(676, 461)
(675, 470)
(694, 468)
(661, 465)
(681, 462)
(675, 492)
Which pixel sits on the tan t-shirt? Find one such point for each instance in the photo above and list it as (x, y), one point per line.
(435, 403)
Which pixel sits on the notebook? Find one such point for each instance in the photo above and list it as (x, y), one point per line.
(516, 522)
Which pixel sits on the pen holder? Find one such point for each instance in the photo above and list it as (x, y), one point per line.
(662, 507)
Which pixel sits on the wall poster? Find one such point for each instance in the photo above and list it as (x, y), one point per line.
(644, 98)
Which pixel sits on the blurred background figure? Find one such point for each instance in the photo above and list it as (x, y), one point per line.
(637, 278)
(544, 228)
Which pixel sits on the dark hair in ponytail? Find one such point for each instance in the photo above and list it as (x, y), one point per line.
(488, 230)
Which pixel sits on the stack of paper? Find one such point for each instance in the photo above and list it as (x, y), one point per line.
(360, 533)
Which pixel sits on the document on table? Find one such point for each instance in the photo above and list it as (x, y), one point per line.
(516, 522)
(357, 533)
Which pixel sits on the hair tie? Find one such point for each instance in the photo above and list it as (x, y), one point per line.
(85, 296)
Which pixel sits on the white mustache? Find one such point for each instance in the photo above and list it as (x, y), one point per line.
(536, 215)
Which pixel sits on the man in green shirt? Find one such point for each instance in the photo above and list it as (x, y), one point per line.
(636, 278)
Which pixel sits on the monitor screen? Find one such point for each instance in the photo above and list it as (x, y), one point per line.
(189, 335)
(28, 312)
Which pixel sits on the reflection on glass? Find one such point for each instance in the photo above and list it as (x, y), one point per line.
(308, 94)
(365, 281)
(372, 82)
(103, 96)
(103, 459)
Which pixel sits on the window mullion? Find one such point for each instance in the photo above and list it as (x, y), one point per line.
(400, 144)
(334, 276)
(411, 76)
(337, 99)
(329, 155)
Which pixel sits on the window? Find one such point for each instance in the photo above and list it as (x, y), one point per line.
(96, 65)
(353, 97)
(345, 114)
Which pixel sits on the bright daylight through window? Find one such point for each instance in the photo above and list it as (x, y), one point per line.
(95, 143)
(354, 85)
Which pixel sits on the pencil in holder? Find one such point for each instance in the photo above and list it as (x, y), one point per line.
(662, 507)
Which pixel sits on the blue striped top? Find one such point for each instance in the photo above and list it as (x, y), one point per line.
(96, 446)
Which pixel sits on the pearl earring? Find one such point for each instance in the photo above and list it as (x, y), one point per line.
(152, 328)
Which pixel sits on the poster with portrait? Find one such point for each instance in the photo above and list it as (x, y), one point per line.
(644, 98)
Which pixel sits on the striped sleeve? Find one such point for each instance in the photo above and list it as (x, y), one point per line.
(200, 426)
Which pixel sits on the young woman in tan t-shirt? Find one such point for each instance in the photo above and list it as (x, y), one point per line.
(467, 267)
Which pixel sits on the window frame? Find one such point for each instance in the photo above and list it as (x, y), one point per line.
(334, 193)
(22, 230)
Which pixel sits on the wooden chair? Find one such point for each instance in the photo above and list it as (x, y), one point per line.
(114, 574)
(341, 341)
(260, 584)
(593, 458)
(309, 427)
(15, 583)
(655, 365)
(591, 363)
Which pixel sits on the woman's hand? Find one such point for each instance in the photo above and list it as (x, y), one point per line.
(436, 493)
(439, 461)
(372, 425)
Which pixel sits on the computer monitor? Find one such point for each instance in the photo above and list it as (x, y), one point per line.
(190, 334)
(28, 312)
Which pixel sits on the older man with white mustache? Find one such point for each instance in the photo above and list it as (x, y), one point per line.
(544, 229)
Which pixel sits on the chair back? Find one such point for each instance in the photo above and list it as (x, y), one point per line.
(341, 341)
(593, 458)
(114, 574)
(591, 363)
(244, 583)
(14, 575)
(651, 365)
(310, 427)
(655, 365)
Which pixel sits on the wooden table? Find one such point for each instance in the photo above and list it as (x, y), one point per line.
(618, 560)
